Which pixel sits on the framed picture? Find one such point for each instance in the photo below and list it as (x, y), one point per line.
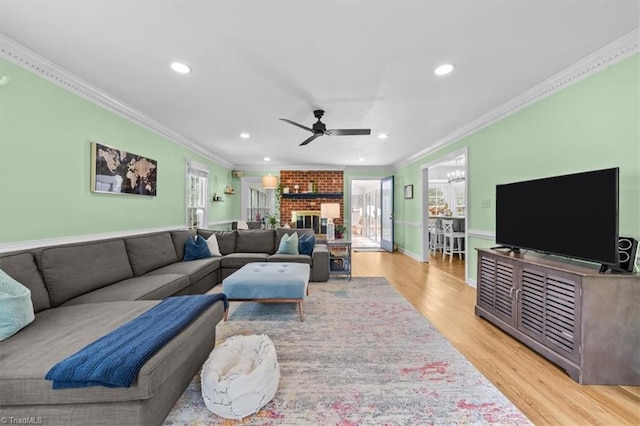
(114, 171)
(408, 191)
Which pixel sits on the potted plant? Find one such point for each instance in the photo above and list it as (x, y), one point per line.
(273, 220)
(340, 230)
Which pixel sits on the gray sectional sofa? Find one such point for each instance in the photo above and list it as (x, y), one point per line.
(83, 291)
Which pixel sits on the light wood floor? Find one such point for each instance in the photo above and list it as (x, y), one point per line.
(541, 390)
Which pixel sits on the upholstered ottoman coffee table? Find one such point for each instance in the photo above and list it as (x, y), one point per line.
(273, 282)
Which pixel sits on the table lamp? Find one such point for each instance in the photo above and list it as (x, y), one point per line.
(330, 211)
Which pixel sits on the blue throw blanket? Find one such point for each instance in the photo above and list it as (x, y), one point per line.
(114, 360)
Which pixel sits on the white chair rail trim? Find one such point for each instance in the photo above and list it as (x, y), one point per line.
(31, 244)
(478, 233)
(410, 224)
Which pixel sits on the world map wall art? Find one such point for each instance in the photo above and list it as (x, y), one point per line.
(114, 171)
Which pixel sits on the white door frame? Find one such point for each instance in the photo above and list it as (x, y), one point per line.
(425, 204)
(347, 200)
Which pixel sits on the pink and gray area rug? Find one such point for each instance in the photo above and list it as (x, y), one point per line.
(363, 356)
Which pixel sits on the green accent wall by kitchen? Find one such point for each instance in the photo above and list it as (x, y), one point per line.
(45, 136)
(592, 124)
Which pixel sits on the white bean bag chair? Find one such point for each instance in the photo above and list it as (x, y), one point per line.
(240, 376)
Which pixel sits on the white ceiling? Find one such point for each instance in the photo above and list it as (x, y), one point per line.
(367, 63)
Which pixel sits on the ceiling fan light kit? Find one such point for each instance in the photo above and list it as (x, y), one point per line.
(320, 129)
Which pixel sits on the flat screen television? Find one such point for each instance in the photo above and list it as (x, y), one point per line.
(572, 215)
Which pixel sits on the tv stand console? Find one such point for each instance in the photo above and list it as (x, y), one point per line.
(514, 249)
(582, 320)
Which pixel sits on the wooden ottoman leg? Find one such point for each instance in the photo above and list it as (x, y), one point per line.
(301, 312)
(226, 313)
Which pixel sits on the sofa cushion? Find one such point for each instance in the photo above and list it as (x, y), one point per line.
(294, 258)
(180, 238)
(306, 243)
(74, 270)
(286, 231)
(288, 244)
(150, 252)
(226, 239)
(22, 268)
(16, 308)
(212, 243)
(255, 241)
(147, 287)
(194, 269)
(238, 260)
(35, 349)
(196, 249)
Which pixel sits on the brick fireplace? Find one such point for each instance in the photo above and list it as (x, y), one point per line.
(327, 184)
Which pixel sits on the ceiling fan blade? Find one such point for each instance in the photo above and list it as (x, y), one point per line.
(296, 124)
(348, 132)
(317, 135)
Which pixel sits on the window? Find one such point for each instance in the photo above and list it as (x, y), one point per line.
(460, 196)
(438, 199)
(197, 195)
(257, 203)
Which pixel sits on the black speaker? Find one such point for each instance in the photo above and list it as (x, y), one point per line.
(627, 249)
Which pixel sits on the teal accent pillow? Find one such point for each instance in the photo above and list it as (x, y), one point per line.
(306, 244)
(289, 244)
(196, 249)
(16, 308)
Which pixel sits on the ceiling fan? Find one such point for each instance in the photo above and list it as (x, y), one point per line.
(318, 129)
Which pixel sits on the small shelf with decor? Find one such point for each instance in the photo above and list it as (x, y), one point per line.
(340, 257)
(313, 195)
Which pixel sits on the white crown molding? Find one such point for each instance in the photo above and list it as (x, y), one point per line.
(278, 168)
(14, 52)
(28, 245)
(369, 169)
(310, 167)
(612, 53)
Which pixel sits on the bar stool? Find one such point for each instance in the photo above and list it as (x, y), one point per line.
(436, 236)
(452, 240)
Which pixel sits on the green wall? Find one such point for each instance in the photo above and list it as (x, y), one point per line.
(45, 135)
(592, 124)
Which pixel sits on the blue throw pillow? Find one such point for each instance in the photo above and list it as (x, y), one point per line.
(197, 249)
(306, 244)
(288, 244)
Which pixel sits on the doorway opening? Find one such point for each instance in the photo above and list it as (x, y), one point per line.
(365, 217)
(445, 201)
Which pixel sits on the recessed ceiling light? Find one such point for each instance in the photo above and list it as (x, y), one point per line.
(245, 135)
(361, 159)
(382, 136)
(181, 68)
(443, 69)
(267, 159)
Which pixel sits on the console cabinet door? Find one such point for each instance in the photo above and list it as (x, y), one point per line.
(496, 287)
(549, 309)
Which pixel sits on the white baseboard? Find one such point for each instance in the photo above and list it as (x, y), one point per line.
(410, 254)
